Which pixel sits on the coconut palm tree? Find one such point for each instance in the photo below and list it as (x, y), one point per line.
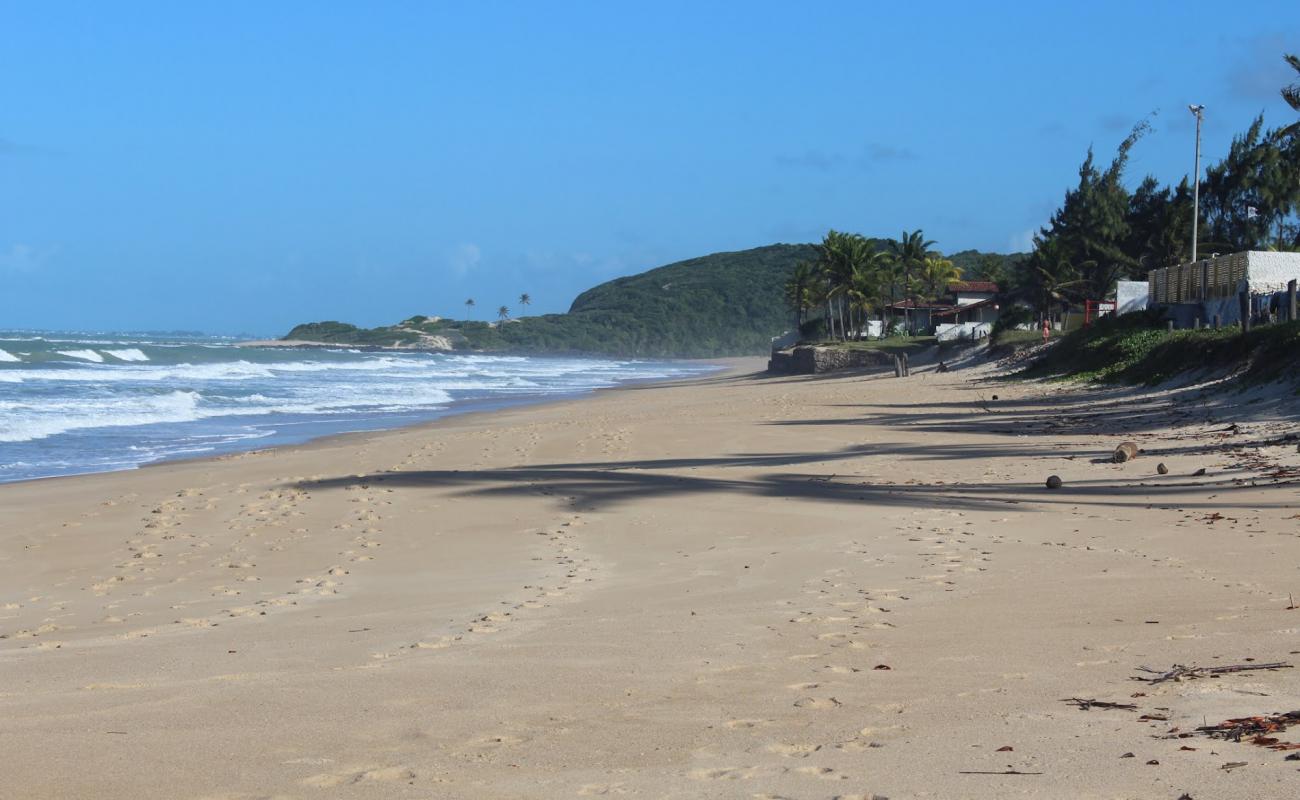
(799, 288)
(842, 256)
(503, 313)
(525, 299)
(936, 273)
(1291, 94)
(911, 250)
(874, 279)
(469, 306)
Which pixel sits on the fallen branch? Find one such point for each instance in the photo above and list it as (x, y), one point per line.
(995, 772)
(1180, 672)
(1087, 705)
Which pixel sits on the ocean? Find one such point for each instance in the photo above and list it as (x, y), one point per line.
(74, 403)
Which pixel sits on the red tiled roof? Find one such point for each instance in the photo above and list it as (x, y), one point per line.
(968, 307)
(921, 304)
(973, 287)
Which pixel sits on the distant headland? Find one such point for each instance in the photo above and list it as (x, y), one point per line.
(723, 304)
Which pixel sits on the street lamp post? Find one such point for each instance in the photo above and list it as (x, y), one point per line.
(1199, 111)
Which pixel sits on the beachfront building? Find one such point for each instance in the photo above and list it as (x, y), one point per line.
(1213, 287)
(965, 293)
(967, 311)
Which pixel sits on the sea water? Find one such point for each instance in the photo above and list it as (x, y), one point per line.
(73, 403)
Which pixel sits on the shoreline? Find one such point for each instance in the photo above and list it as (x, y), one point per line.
(808, 586)
(455, 409)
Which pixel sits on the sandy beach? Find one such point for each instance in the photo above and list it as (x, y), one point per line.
(839, 586)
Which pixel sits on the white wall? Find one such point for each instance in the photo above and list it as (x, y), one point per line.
(964, 331)
(1130, 296)
(1269, 272)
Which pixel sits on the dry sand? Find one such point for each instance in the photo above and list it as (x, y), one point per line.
(737, 586)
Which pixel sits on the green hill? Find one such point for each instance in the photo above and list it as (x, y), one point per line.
(716, 305)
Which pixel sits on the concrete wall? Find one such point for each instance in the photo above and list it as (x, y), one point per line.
(784, 340)
(808, 360)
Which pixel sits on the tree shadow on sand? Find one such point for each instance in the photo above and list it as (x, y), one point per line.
(594, 485)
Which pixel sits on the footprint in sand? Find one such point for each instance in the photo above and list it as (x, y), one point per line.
(722, 774)
(818, 703)
(825, 773)
(745, 724)
(498, 740)
(793, 750)
(328, 780)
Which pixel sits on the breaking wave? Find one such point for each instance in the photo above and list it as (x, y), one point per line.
(84, 355)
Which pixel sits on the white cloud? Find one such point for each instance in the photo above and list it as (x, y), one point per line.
(464, 257)
(1022, 242)
(24, 257)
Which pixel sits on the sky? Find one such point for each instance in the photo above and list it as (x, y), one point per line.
(240, 167)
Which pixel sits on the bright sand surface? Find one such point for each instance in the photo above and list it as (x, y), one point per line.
(681, 590)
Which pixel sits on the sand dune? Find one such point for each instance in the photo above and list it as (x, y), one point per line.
(737, 586)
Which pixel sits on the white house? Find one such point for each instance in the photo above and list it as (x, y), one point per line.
(967, 292)
(1212, 287)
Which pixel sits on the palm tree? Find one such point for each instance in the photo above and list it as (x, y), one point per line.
(911, 250)
(525, 299)
(842, 255)
(799, 289)
(936, 274)
(503, 313)
(469, 305)
(1291, 94)
(1050, 274)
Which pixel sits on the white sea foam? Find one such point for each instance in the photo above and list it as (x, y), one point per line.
(84, 355)
(26, 421)
(131, 406)
(129, 354)
(23, 422)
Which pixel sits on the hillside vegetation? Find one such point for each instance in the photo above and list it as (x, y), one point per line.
(1137, 348)
(715, 305)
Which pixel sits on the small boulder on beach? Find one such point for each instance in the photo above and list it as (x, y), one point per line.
(1054, 482)
(1125, 452)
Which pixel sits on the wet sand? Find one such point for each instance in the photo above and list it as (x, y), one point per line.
(736, 586)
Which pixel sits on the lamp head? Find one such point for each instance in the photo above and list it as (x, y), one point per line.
(1195, 109)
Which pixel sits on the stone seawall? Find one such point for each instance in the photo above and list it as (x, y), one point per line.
(809, 360)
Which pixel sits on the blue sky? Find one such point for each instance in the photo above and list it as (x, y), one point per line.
(242, 166)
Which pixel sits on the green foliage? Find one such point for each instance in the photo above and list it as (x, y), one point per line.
(995, 267)
(1012, 318)
(1160, 226)
(722, 304)
(1250, 200)
(343, 333)
(1291, 94)
(1137, 348)
(1252, 195)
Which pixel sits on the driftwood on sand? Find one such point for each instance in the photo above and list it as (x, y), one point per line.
(1180, 672)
